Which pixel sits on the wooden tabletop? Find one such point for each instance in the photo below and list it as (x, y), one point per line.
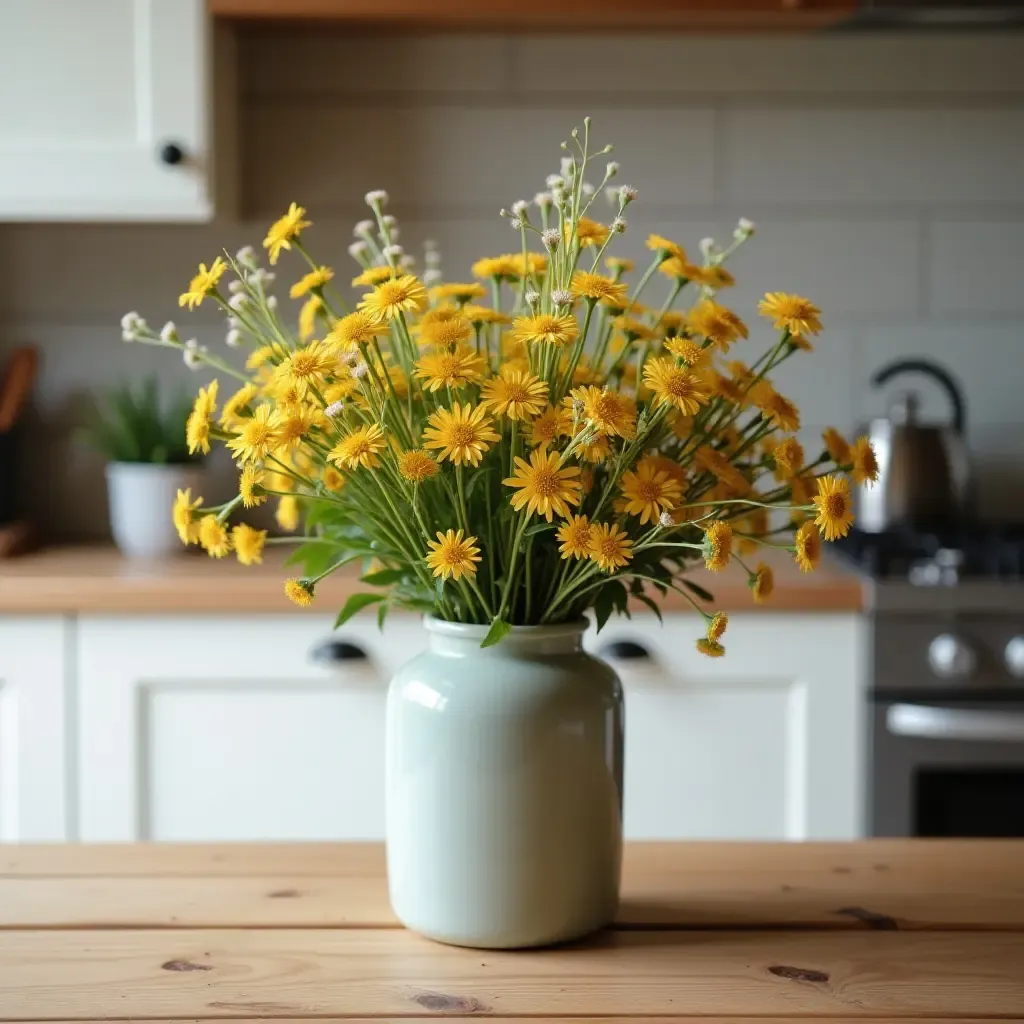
(97, 580)
(882, 930)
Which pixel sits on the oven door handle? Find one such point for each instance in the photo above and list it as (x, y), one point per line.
(923, 721)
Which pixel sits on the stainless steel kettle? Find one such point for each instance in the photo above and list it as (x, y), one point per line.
(924, 470)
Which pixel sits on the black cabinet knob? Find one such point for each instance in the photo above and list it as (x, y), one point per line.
(332, 651)
(171, 154)
(625, 650)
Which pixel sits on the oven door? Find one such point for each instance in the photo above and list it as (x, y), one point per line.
(948, 768)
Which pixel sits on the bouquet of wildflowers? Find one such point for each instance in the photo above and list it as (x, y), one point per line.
(515, 449)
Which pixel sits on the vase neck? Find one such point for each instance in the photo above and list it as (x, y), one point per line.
(461, 640)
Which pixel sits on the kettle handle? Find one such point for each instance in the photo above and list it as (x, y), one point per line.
(937, 373)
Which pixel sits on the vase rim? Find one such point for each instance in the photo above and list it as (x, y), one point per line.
(474, 631)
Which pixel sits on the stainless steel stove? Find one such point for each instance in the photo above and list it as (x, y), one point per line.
(947, 694)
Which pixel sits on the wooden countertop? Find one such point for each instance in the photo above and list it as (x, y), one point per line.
(97, 580)
(882, 930)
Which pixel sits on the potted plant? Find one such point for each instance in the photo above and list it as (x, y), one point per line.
(507, 454)
(148, 463)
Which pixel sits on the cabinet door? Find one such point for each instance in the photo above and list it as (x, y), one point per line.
(229, 729)
(32, 740)
(765, 743)
(90, 93)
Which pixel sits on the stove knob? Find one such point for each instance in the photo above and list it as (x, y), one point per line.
(951, 657)
(1013, 657)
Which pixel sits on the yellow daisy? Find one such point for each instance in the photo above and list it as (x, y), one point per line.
(807, 547)
(549, 426)
(865, 465)
(837, 447)
(373, 276)
(299, 592)
(260, 357)
(658, 243)
(789, 458)
(417, 465)
(248, 544)
(313, 281)
(589, 232)
(257, 437)
(610, 546)
(690, 351)
(445, 369)
(792, 313)
(648, 491)
(496, 266)
(775, 407)
(717, 626)
(362, 447)
(712, 648)
(673, 266)
(597, 451)
(575, 535)
(197, 427)
(183, 517)
(340, 389)
(307, 316)
(204, 283)
(612, 413)
(618, 264)
(515, 394)
(834, 508)
(555, 330)
(295, 424)
(484, 314)
(445, 332)
(762, 583)
(543, 485)
(237, 408)
(390, 298)
(462, 433)
(709, 277)
(355, 329)
(675, 385)
(635, 329)
(213, 536)
(460, 292)
(332, 479)
(598, 287)
(719, 325)
(451, 555)
(250, 483)
(284, 231)
(287, 513)
(306, 367)
(717, 546)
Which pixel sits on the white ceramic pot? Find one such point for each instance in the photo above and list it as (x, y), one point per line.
(140, 497)
(504, 788)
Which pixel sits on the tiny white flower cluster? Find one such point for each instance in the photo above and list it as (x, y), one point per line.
(394, 250)
(233, 338)
(334, 409)
(543, 200)
(532, 297)
(377, 198)
(619, 225)
(193, 354)
(562, 297)
(363, 228)
(247, 257)
(133, 326)
(359, 370)
(261, 278)
(744, 229)
(357, 250)
(169, 333)
(665, 520)
(551, 239)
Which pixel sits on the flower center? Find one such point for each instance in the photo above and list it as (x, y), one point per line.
(606, 407)
(461, 434)
(515, 393)
(649, 490)
(303, 364)
(609, 547)
(545, 482)
(679, 385)
(835, 506)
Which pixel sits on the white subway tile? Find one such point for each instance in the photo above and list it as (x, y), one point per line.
(320, 63)
(976, 267)
(879, 156)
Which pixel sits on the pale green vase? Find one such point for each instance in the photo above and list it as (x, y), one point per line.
(504, 788)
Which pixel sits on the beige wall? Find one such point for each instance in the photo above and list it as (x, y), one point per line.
(886, 174)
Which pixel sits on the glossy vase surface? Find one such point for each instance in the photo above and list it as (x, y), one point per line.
(504, 788)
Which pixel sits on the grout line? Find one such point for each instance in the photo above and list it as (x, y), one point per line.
(925, 244)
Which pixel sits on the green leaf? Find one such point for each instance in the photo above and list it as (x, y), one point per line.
(384, 577)
(382, 614)
(417, 604)
(316, 557)
(604, 605)
(439, 587)
(644, 599)
(619, 597)
(498, 631)
(532, 531)
(474, 482)
(695, 588)
(356, 603)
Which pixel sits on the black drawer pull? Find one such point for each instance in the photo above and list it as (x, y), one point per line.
(332, 651)
(171, 154)
(625, 650)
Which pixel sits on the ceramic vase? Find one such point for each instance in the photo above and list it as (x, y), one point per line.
(140, 496)
(504, 787)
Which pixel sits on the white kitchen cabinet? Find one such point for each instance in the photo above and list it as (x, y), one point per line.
(765, 743)
(33, 666)
(91, 94)
(228, 729)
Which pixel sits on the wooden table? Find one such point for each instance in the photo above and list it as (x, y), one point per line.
(884, 930)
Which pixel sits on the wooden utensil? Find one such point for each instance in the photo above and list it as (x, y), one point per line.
(16, 385)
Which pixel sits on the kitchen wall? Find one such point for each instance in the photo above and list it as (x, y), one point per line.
(886, 174)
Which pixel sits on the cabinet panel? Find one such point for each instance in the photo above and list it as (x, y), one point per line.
(228, 729)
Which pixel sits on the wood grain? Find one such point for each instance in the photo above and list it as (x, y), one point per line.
(879, 886)
(46, 975)
(98, 580)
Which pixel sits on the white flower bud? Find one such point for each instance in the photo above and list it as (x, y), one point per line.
(619, 225)
(516, 224)
(359, 370)
(246, 256)
(334, 409)
(193, 360)
(559, 198)
(665, 520)
(707, 246)
(233, 322)
(627, 194)
(141, 326)
(129, 335)
(432, 258)
(551, 239)
(519, 207)
(377, 197)
(236, 286)
(532, 297)
(192, 345)
(562, 297)
(357, 249)
(239, 301)
(543, 200)
(234, 338)
(393, 234)
(393, 250)
(577, 407)
(169, 332)
(554, 181)
(129, 320)
(363, 227)
(389, 220)
(568, 167)
(612, 169)
(432, 276)
(271, 302)
(261, 277)
(407, 261)
(587, 189)
(744, 229)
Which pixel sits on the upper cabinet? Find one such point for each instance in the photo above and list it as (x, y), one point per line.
(106, 110)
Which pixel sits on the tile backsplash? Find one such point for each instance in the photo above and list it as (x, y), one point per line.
(886, 174)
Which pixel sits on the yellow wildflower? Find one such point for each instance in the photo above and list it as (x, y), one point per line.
(717, 626)
(299, 592)
(691, 352)
(460, 292)
(712, 648)
(807, 547)
(214, 537)
(762, 583)
(462, 433)
(313, 281)
(834, 508)
(237, 408)
(284, 231)
(555, 330)
(515, 394)
(203, 283)
(610, 546)
(373, 276)
(390, 298)
(716, 323)
(665, 246)
(550, 425)
(648, 491)
(183, 517)
(444, 369)
(837, 447)
(287, 513)
(355, 329)
(792, 313)
(589, 232)
(445, 332)
(248, 544)
(197, 427)
(789, 458)
(674, 385)
(451, 555)
(362, 447)
(865, 465)
(417, 465)
(332, 479)
(575, 535)
(612, 413)
(618, 265)
(717, 546)
(306, 367)
(543, 485)
(250, 483)
(595, 286)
